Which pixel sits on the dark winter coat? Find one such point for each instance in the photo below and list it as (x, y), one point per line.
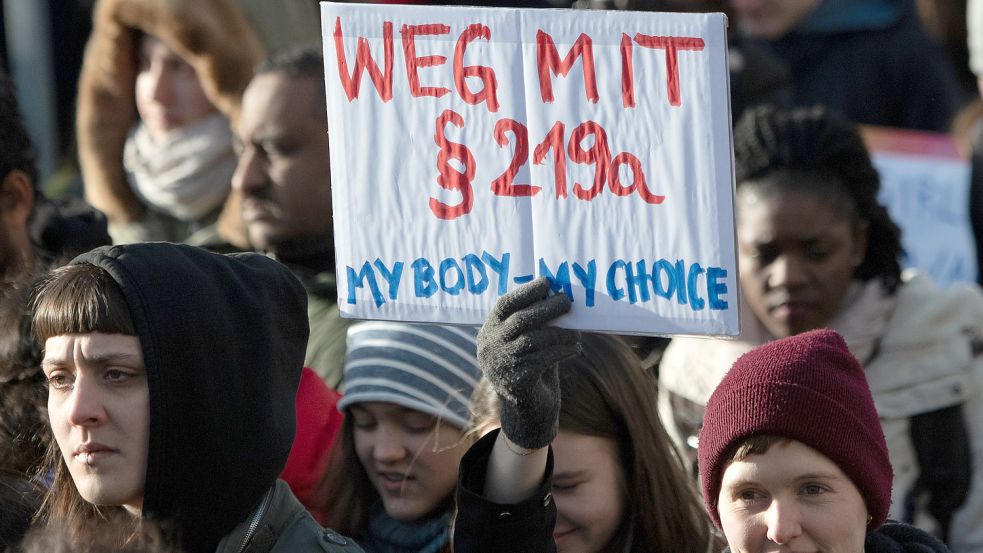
(284, 527)
(482, 525)
(895, 537)
(874, 62)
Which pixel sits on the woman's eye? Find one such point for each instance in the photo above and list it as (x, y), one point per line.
(116, 375)
(419, 424)
(817, 254)
(363, 424)
(812, 489)
(763, 256)
(749, 495)
(58, 381)
(565, 487)
(179, 66)
(419, 427)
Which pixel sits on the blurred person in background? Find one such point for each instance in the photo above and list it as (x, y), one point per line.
(160, 84)
(968, 128)
(35, 231)
(871, 60)
(284, 178)
(757, 75)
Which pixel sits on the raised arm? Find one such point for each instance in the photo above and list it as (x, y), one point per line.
(518, 353)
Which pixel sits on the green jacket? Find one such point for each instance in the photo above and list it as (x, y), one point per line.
(284, 526)
(326, 345)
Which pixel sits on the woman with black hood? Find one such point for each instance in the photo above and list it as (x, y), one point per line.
(172, 376)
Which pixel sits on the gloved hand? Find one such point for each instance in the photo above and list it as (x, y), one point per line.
(519, 354)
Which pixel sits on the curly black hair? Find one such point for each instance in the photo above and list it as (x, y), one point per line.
(818, 142)
(16, 150)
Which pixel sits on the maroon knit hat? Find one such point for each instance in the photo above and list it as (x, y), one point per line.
(807, 388)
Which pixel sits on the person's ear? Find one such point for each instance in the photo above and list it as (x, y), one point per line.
(861, 234)
(16, 196)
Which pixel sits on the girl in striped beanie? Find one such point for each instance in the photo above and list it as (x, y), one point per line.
(407, 400)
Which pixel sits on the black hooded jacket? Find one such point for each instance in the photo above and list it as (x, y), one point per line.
(223, 341)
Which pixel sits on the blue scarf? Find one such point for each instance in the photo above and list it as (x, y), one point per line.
(388, 535)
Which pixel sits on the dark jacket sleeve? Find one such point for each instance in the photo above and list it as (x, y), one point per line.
(896, 537)
(481, 525)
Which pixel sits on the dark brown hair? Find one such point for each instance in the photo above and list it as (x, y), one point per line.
(606, 393)
(754, 445)
(119, 533)
(18, 153)
(346, 493)
(76, 299)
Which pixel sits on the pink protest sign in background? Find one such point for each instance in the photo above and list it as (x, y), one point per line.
(473, 149)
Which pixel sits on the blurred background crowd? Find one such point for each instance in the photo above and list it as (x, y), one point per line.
(203, 122)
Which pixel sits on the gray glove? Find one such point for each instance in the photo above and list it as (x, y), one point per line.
(519, 354)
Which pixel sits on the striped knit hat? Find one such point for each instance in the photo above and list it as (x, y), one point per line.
(428, 368)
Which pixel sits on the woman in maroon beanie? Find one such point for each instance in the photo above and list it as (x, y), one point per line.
(792, 456)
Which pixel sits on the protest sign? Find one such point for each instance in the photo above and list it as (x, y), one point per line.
(925, 187)
(473, 149)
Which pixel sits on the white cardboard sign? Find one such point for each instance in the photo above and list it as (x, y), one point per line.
(473, 149)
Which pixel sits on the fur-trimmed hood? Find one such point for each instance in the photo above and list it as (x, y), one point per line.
(213, 36)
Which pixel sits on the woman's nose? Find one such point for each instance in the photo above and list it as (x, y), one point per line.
(388, 447)
(784, 523)
(86, 407)
(787, 271)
